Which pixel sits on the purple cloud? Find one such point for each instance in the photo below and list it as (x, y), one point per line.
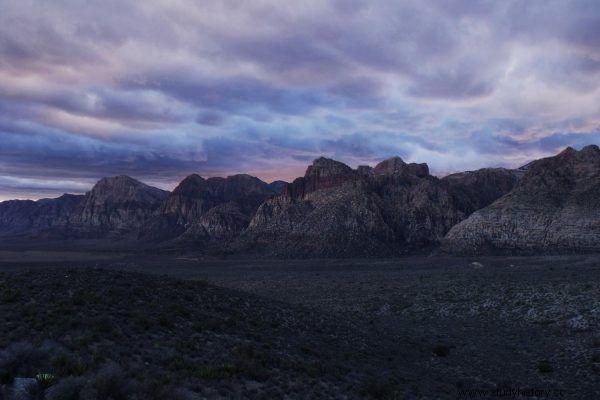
(158, 91)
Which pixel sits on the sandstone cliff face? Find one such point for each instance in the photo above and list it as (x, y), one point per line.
(477, 189)
(19, 217)
(553, 208)
(53, 214)
(16, 216)
(343, 219)
(334, 210)
(221, 222)
(203, 209)
(115, 206)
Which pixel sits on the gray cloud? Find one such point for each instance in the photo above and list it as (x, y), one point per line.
(158, 91)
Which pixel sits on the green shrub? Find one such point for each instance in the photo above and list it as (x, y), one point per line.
(21, 359)
(66, 389)
(65, 365)
(545, 367)
(441, 350)
(380, 388)
(112, 383)
(44, 381)
(9, 295)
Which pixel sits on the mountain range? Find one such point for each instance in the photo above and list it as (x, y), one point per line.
(393, 208)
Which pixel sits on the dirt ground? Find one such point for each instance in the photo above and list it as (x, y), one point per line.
(431, 327)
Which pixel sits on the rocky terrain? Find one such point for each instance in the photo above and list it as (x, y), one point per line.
(554, 208)
(98, 335)
(115, 206)
(123, 209)
(391, 209)
(405, 328)
(201, 209)
(26, 217)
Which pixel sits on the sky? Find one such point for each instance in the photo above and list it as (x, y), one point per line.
(159, 89)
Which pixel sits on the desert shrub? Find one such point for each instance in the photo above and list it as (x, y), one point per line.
(9, 295)
(65, 364)
(181, 364)
(22, 359)
(212, 322)
(441, 350)
(545, 367)
(157, 390)
(251, 362)
(110, 382)
(103, 325)
(178, 310)
(380, 388)
(66, 389)
(166, 320)
(32, 391)
(220, 371)
(44, 381)
(143, 321)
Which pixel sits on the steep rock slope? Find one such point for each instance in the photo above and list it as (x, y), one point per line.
(16, 216)
(19, 217)
(555, 207)
(334, 210)
(480, 188)
(116, 205)
(203, 209)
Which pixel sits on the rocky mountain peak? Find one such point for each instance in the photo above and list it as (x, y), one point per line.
(570, 155)
(203, 209)
(364, 170)
(591, 151)
(591, 148)
(190, 185)
(245, 182)
(123, 188)
(118, 203)
(325, 167)
(553, 208)
(390, 166)
(396, 165)
(568, 151)
(277, 187)
(117, 181)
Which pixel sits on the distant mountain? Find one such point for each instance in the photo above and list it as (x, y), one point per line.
(202, 209)
(477, 189)
(114, 206)
(391, 209)
(25, 217)
(394, 208)
(555, 207)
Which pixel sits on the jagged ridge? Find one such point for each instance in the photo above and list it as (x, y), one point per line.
(554, 208)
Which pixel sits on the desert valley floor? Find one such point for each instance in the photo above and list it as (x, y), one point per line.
(414, 327)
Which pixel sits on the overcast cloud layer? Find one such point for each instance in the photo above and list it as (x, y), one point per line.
(160, 89)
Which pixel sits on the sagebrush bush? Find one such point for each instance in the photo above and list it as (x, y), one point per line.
(65, 364)
(111, 382)
(66, 389)
(23, 359)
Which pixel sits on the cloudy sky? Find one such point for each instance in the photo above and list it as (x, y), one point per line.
(158, 89)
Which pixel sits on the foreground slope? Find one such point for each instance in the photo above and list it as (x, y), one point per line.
(113, 335)
(555, 207)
